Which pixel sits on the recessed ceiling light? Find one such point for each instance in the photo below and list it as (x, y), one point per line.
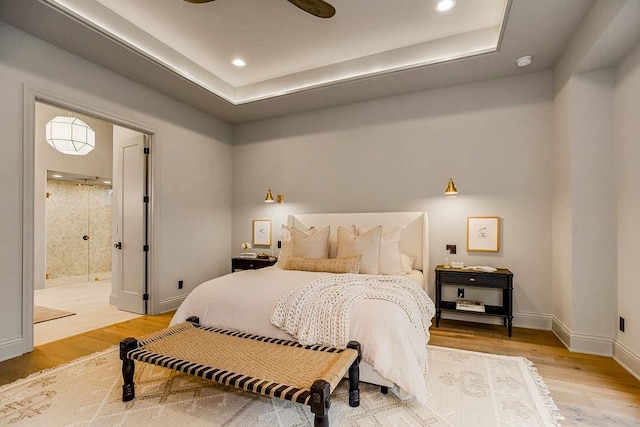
(524, 61)
(106, 182)
(239, 62)
(444, 5)
(56, 176)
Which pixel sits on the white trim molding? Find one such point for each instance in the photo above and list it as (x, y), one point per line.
(627, 359)
(11, 348)
(520, 319)
(169, 304)
(582, 343)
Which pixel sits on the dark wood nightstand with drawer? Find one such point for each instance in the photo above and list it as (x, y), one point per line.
(460, 278)
(239, 263)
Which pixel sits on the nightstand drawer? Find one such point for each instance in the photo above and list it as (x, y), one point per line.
(250, 263)
(472, 279)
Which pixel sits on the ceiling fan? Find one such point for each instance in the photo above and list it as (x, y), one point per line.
(318, 8)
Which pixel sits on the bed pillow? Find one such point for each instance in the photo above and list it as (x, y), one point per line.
(407, 263)
(333, 265)
(312, 243)
(285, 250)
(390, 261)
(367, 245)
(333, 242)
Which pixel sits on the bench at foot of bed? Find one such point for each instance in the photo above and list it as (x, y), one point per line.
(268, 366)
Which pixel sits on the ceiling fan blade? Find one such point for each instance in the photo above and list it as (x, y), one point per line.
(318, 8)
(198, 1)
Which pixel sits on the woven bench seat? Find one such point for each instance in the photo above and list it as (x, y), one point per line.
(257, 364)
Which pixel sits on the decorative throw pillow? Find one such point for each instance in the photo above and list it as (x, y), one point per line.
(389, 261)
(285, 250)
(311, 243)
(333, 242)
(407, 263)
(326, 265)
(367, 245)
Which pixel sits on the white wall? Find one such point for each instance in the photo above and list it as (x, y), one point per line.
(396, 154)
(627, 137)
(191, 168)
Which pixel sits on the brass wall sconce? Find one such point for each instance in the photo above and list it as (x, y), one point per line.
(269, 199)
(451, 190)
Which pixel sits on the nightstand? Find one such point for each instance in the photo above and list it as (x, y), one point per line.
(238, 263)
(460, 278)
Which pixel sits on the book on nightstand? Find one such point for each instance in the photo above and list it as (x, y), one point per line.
(248, 255)
(467, 305)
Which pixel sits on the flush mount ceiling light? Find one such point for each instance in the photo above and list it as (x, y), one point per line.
(238, 62)
(70, 135)
(524, 61)
(444, 5)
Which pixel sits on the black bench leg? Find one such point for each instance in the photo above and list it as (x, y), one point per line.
(354, 376)
(128, 388)
(384, 389)
(320, 402)
(193, 319)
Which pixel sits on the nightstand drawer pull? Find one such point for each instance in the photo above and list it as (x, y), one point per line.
(472, 279)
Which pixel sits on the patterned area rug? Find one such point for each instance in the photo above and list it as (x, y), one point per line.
(465, 389)
(44, 314)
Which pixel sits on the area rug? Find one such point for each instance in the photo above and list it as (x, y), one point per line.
(44, 314)
(465, 389)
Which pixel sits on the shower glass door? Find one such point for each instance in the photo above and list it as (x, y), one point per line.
(78, 229)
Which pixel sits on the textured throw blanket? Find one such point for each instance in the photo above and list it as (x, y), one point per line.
(319, 312)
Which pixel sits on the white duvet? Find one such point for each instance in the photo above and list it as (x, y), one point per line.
(244, 300)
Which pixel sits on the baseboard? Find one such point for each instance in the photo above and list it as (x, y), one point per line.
(11, 348)
(520, 319)
(627, 359)
(169, 304)
(582, 343)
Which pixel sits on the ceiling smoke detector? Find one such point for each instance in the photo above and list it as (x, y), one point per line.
(524, 61)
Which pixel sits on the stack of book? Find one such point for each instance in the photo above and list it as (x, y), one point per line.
(467, 305)
(248, 255)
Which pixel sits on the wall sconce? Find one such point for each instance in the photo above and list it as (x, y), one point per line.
(269, 198)
(451, 190)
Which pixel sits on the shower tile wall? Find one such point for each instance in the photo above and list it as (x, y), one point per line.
(73, 211)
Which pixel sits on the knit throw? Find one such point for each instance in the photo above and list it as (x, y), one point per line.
(319, 312)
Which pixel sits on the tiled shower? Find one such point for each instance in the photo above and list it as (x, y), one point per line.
(78, 232)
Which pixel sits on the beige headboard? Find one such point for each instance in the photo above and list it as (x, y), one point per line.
(414, 239)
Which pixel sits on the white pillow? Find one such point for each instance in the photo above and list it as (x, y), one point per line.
(390, 261)
(285, 249)
(312, 243)
(333, 242)
(407, 263)
(367, 245)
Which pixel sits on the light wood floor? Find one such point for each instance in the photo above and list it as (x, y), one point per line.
(589, 390)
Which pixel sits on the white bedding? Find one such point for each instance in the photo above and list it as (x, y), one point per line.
(244, 300)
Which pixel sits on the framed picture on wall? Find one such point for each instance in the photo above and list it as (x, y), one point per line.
(483, 233)
(261, 232)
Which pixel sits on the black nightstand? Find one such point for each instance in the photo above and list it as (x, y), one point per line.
(238, 263)
(499, 279)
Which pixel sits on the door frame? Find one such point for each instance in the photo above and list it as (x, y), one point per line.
(31, 95)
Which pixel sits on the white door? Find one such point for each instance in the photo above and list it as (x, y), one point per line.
(129, 220)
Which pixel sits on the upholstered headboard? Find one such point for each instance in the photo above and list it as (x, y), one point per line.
(414, 239)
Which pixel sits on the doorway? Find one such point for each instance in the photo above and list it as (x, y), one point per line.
(74, 254)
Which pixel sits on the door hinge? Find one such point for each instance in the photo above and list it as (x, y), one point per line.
(145, 248)
(145, 199)
(145, 297)
(146, 150)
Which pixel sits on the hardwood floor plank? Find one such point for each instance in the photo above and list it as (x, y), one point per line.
(589, 390)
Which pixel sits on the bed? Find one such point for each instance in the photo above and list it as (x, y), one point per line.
(394, 352)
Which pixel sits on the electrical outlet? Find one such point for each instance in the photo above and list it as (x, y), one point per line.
(180, 284)
(279, 244)
(451, 249)
(460, 292)
(621, 323)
